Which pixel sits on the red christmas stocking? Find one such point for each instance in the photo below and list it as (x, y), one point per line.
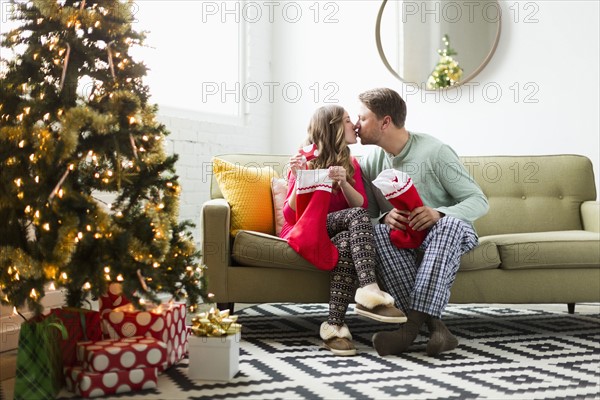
(309, 236)
(398, 188)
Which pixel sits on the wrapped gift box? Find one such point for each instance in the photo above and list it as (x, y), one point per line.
(165, 323)
(94, 384)
(81, 325)
(214, 358)
(112, 299)
(122, 354)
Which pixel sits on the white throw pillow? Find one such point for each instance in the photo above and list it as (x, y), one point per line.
(278, 191)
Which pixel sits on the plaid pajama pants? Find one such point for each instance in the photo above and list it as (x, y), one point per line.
(424, 287)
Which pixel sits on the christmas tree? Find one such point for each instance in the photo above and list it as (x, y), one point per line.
(446, 72)
(88, 195)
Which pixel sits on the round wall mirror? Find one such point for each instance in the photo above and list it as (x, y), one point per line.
(437, 44)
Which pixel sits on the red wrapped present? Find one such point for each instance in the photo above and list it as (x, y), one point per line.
(94, 384)
(81, 325)
(165, 323)
(113, 298)
(122, 354)
(309, 152)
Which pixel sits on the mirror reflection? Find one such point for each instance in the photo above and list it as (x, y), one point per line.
(437, 44)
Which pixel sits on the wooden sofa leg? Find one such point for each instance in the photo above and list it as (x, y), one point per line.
(571, 308)
(226, 306)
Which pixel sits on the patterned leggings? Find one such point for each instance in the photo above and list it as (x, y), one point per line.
(352, 233)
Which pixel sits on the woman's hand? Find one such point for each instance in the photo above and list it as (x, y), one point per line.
(352, 196)
(338, 174)
(297, 162)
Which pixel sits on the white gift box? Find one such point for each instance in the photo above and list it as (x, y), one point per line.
(214, 358)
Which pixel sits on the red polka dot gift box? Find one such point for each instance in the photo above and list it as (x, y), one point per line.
(94, 384)
(122, 354)
(113, 298)
(165, 322)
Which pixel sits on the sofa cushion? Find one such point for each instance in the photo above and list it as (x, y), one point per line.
(484, 256)
(280, 163)
(560, 249)
(521, 190)
(279, 189)
(247, 189)
(255, 249)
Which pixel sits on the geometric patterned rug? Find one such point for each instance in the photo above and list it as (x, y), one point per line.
(504, 353)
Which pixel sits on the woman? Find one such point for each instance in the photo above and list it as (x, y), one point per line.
(348, 226)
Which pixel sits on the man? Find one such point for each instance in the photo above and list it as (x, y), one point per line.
(452, 201)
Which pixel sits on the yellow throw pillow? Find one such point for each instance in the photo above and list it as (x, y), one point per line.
(247, 189)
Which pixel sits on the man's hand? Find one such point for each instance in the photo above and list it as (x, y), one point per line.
(396, 219)
(422, 218)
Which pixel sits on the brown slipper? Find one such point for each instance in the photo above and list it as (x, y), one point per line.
(340, 346)
(382, 313)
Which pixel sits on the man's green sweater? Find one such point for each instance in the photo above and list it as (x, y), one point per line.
(436, 171)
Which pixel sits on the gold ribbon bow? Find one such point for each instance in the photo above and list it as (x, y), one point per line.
(215, 323)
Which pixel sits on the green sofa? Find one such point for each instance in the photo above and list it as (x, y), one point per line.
(539, 243)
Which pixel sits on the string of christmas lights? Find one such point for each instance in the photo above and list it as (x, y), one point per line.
(447, 72)
(62, 143)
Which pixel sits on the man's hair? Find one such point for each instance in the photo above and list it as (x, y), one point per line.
(384, 101)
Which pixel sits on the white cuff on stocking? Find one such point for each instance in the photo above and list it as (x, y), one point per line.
(309, 180)
(393, 183)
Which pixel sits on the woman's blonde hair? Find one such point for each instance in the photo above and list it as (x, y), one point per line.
(326, 130)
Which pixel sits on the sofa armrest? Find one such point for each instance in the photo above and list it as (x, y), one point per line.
(590, 215)
(216, 252)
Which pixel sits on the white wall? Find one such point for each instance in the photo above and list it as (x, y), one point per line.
(197, 137)
(549, 50)
(312, 53)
